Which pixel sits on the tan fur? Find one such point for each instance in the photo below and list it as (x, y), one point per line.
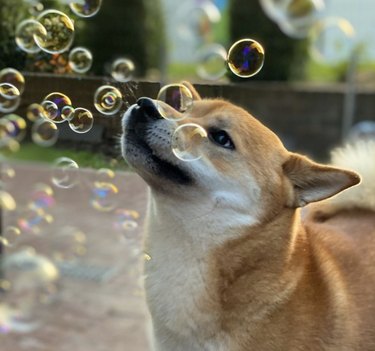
(234, 266)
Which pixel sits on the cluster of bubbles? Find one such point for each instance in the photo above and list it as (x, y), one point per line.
(332, 39)
(12, 85)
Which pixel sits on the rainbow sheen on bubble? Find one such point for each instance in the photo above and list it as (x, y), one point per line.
(59, 33)
(34, 112)
(67, 113)
(211, 62)
(44, 133)
(85, 8)
(80, 59)
(25, 32)
(17, 130)
(65, 173)
(82, 120)
(104, 196)
(188, 142)
(177, 96)
(33, 220)
(245, 58)
(8, 91)
(53, 111)
(13, 77)
(122, 70)
(107, 100)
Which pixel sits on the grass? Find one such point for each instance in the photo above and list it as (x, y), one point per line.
(33, 153)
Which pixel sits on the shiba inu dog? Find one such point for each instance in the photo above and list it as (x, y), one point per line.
(234, 265)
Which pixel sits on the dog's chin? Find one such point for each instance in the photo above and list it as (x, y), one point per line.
(156, 170)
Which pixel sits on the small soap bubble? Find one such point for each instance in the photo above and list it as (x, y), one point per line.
(332, 40)
(34, 112)
(188, 141)
(80, 60)
(36, 8)
(212, 62)
(25, 32)
(104, 196)
(6, 172)
(59, 32)
(33, 220)
(8, 91)
(177, 96)
(9, 105)
(107, 100)
(18, 129)
(123, 70)
(44, 133)
(82, 120)
(11, 235)
(126, 221)
(7, 202)
(245, 58)
(42, 197)
(65, 173)
(105, 175)
(53, 111)
(67, 113)
(85, 8)
(275, 9)
(13, 77)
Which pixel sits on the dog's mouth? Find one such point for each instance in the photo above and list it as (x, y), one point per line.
(138, 121)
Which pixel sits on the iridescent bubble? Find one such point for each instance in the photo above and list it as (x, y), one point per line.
(107, 100)
(18, 131)
(11, 235)
(13, 77)
(68, 244)
(9, 105)
(212, 62)
(42, 197)
(80, 60)
(8, 91)
(6, 130)
(82, 120)
(332, 40)
(44, 133)
(60, 100)
(33, 220)
(105, 175)
(123, 70)
(178, 96)
(126, 221)
(67, 113)
(245, 58)
(85, 8)
(34, 112)
(25, 32)
(188, 142)
(50, 110)
(59, 32)
(65, 173)
(7, 202)
(104, 196)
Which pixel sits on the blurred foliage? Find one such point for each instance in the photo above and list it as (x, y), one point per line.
(285, 58)
(132, 28)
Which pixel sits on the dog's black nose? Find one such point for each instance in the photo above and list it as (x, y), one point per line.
(148, 107)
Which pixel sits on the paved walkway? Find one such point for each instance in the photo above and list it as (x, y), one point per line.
(99, 304)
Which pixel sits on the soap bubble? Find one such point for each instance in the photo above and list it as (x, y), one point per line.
(18, 129)
(188, 141)
(332, 40)
(11, 235)
(107, 100)
(7, 202)
(65, 173)
(24, 35)
(9, 105)
(34, 112)
(105, 175)
(126, 221)
(44, 133)
(42, 197)
(212, 62)
(67, 113)
(6, 172)
(80, 60)
(53, 105)
(122, 70)
(13, 77)
(104, 196)
(246, 58)
(85, 8)
(8, 92)
(81, 121)
(33, 220)
(178, 96)
(275, 9)
(12, 319)
(59, 32)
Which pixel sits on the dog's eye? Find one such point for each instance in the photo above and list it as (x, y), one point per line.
(221, 137)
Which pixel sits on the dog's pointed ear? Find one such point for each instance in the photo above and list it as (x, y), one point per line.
(314, 182)
(190, 86)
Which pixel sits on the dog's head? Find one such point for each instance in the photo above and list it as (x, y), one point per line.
(243, 163)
